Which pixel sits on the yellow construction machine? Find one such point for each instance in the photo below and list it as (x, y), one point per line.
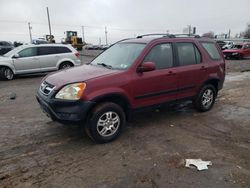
(71, 38)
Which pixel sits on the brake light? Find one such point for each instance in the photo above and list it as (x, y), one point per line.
(77, 54)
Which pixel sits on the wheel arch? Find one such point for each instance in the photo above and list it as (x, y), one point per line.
(117, 98)
(65, 61)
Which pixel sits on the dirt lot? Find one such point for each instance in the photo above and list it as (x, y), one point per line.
(36, 152)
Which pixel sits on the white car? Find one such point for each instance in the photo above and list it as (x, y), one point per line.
(32, 58)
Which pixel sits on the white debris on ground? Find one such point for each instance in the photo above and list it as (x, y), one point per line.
(198, 163)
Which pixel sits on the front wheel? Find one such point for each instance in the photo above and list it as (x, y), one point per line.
(105, 122)
(6, 73)
(206, 98)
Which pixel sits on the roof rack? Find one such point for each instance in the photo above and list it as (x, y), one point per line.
(187, 35)
(169, 35)
(156, 34)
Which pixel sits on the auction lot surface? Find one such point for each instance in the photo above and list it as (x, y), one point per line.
(36, 152)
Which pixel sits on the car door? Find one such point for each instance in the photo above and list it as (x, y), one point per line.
(48, 58)
(192, 69)
(160, 85)
(27, 61)
(247, 50)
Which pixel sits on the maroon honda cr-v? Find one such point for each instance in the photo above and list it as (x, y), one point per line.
(133, 74)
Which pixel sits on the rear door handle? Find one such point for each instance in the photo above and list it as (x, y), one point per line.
(203, 68)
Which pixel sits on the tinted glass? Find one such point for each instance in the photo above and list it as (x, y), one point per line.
(46, 50)
(60, 50)
(211, 50)
(186, 53)
(198, 55)
(119, 56)
(161, 55)
(28, 52)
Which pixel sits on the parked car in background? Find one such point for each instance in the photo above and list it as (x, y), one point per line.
(228, 45)
(32, 58)
(5, 47)
(133, 75)
(238, 51)
(220, 43)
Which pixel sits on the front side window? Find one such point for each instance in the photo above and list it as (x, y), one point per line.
(211, 50)
(161, 55)
(188, 54)
(119, 56)
(28, 52)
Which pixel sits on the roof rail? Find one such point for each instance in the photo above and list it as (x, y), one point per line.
(187, 35)
(156, 34)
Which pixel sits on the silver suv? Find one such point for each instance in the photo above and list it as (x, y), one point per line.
(32, 58)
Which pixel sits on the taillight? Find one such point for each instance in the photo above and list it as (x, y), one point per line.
(77, 54)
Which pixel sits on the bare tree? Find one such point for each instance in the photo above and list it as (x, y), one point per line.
(209, 34)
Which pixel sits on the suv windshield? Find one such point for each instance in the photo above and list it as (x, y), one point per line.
(120, 56)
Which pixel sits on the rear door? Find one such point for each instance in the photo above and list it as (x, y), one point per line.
(192, 69)
(48, 57)
(247, 50)
(28, 61)
(160, 85)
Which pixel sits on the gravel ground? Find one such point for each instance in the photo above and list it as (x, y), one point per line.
(36, 152)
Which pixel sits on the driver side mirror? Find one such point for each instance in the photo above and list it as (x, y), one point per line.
(146, 67)
(16, 56)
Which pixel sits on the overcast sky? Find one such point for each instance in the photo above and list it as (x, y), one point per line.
(123, 18)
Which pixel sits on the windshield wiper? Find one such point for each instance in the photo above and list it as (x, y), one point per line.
(105, 65)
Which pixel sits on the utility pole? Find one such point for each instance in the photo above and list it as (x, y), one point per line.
(83, 36)
(30, 32)
(229, 33)
(48, 21)
(189, 29)
(106, 35)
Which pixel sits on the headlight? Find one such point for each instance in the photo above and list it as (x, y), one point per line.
(235, 53)
(71, 91)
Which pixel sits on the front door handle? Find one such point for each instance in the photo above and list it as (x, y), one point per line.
(170, 73)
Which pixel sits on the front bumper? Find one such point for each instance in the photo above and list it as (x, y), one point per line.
(63, 110)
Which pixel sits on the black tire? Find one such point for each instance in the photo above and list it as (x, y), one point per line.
(240, 57)
(65, 65)
(99, 114)
(200, 103)
(6, 73)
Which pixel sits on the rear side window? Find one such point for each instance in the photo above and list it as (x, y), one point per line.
(46, 50)
(62, 49)
(188, 54)
(161, 55)
(211, 50)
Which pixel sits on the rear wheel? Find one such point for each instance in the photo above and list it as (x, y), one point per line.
(66, 65)
(105, 122)
(206, 98)
(6, 73)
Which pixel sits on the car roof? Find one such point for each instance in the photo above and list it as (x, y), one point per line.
(146, 40)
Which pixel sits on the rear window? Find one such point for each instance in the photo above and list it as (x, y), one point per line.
(62, 49)
(211, 50)
(46, 50)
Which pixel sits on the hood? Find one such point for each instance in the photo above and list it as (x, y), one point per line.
(77, 74)
(2, 58)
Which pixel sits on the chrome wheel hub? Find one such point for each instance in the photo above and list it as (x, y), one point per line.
(207, 98)
(108, 124)
(8, 74)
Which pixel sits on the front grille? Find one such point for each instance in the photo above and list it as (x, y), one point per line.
(46, 88)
